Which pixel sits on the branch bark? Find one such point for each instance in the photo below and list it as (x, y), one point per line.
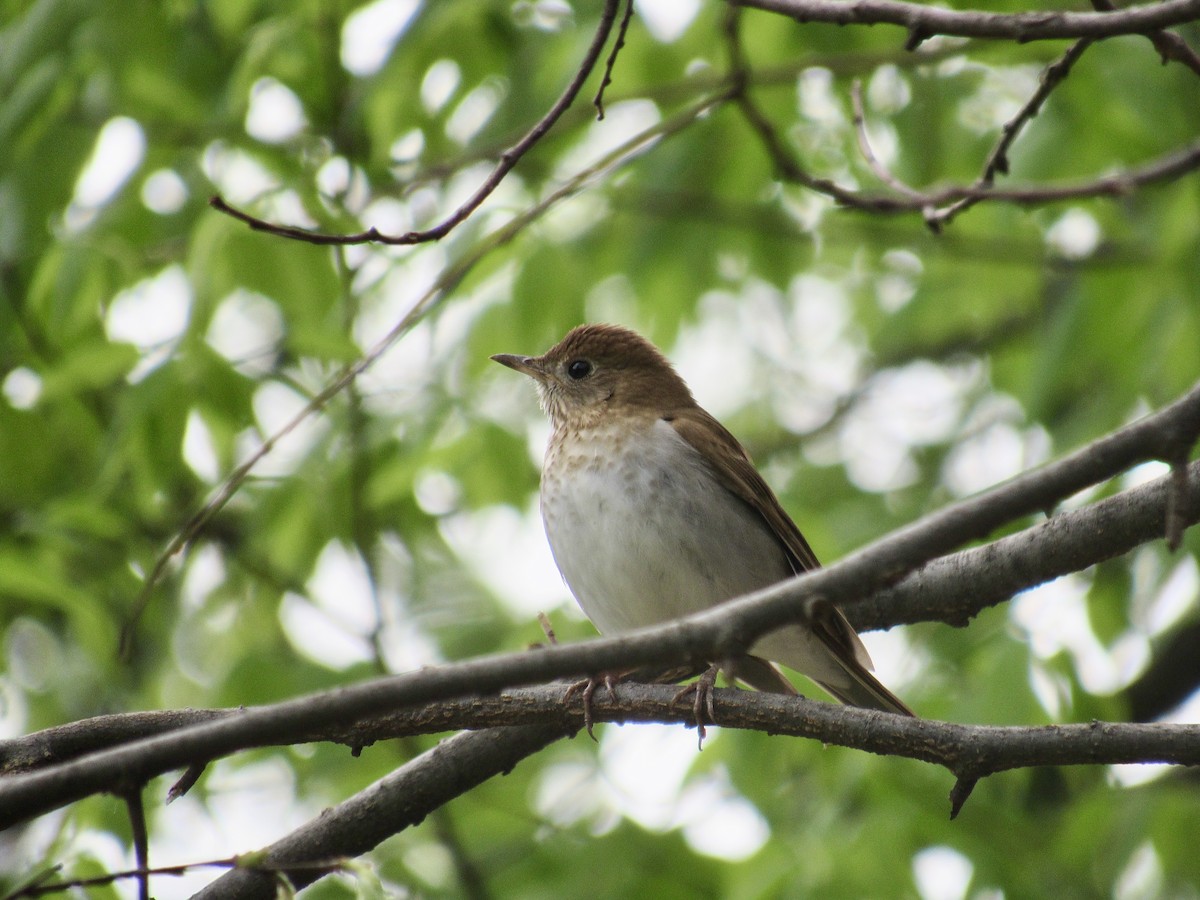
(711, 635)
(924, 21)
(393, 803)
(950, 589)
(508, 161)
(969, 752)
(955, 588)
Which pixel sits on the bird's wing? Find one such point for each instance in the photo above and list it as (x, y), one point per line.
(737, 474)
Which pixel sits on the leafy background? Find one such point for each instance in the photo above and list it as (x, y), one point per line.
(874, 369)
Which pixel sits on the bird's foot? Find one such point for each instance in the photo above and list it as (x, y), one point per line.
(702, 687)
(587, 689)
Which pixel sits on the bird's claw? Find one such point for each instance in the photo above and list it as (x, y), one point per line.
(702, 705)
(587, 689)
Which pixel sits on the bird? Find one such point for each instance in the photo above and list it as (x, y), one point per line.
(654, 511)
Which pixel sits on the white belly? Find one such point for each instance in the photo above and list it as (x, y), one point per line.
(643, 533)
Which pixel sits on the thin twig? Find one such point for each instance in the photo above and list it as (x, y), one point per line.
(864, 145)
(618, 45)
(1119, 184)
(39, 887)
(508, 159)
(787, 166)
(442, 288)
(953, 199)
(731, 28)
(997, 160)
(1169, 45)
(924, 21)
(185, 782)
(1169, 166)
(790, 169)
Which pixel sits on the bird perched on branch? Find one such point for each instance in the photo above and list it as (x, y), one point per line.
(654, 511)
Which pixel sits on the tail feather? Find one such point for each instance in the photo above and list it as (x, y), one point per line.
(865, 691)
(759, 674)
(830, 625)
(862, 689)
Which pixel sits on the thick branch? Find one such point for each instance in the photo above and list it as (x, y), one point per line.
(715, 634)
(954, 588)
(924, 21)
(941, 743)
(948, 589)
(63, 742)
(539, 717)
(969, 752)
(393, 803)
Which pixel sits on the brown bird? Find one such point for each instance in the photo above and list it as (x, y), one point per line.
(654, 511)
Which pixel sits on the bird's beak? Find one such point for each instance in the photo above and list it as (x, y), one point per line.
(528, 365)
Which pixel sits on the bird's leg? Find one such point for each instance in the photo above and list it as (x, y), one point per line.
(646, 675)
(587, 688)
(703, 704)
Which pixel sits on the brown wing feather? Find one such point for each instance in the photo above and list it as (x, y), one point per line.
(733, 468)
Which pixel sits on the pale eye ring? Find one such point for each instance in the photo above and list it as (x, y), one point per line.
(578, 369)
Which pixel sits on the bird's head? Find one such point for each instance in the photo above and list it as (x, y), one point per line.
(599, 370)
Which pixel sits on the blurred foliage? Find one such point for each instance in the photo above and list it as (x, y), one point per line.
(876, 371)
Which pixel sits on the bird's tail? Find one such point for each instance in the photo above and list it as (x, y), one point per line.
(860, 688)
(759, 674)
(866, 691)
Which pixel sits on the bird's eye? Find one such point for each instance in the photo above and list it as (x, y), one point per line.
(579, 368)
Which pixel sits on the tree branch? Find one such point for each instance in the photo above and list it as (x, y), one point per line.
(508, 160)
(135, 805)
(924, 21)
(969, 752)
(401, 799)
(955, 588)
(949, 589)
(714, 634)
(927, 740)
(939, 206)
(618, 45)
(1169, 45)
(537, 717)
(868, 153)
(997, 161)
(442, 288)
(75, 739)
(1170, 165)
